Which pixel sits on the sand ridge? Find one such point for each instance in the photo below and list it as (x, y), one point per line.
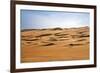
(54, 44)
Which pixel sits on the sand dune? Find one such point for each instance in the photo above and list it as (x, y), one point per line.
(56, 44)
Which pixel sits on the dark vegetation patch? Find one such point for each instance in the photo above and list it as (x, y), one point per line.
(57, 28)
(43, 29)
(28, 30)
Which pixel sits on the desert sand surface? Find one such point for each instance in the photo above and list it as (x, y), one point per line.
(54, 44)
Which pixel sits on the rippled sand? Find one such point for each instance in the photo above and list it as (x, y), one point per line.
(56, 44)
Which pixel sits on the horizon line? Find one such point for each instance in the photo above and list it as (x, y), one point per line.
(53, 28)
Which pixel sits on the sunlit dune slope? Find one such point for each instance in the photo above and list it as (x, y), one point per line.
(56, 44)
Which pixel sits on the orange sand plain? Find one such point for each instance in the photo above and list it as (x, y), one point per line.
(56, 44)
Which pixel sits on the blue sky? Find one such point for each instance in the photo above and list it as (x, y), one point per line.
(40, 19)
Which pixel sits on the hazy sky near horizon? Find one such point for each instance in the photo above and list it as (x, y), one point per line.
(40, 19)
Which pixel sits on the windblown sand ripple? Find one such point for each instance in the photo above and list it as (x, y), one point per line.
(57, 44)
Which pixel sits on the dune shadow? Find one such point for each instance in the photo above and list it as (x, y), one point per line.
(60, 34)
(81, 40)
(79, 36)
(52, 39)
(48, 44)
(43, 35)
(30, 39)
(74, 44)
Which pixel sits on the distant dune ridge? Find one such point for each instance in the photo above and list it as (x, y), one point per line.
(55, 44)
